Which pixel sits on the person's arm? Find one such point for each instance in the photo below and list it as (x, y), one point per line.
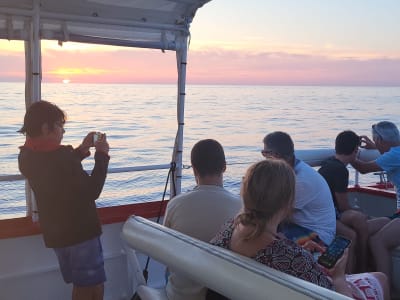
(342, 201)
(90, 186)
(366, 167)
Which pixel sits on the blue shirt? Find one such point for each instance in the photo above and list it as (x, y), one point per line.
(390, 162)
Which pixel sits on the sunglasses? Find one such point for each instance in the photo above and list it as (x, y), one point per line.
(375, 132)
(269, 153)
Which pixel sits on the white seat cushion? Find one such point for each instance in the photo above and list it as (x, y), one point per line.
(148, 293)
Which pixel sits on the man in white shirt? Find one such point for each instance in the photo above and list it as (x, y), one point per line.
(201, 212)
(313, 207)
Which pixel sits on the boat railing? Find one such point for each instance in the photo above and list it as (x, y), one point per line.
(16, 177)
(313, 157)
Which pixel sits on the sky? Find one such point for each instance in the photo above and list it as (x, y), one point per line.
(262, 42)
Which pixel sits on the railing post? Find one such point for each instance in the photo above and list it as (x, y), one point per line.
(181, 58)
(32, 87)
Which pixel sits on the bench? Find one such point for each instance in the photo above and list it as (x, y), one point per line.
(228, 273)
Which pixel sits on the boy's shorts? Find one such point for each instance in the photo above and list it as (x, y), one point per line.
(82, 264)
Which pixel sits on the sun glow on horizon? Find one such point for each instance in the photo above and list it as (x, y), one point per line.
(77, 71)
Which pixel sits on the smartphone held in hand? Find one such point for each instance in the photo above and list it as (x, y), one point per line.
(97, 136)
(334, 251)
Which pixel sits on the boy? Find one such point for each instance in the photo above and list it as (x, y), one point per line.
(66, 195)
(350, 223)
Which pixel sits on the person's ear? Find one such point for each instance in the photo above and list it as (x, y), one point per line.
(224, 168)
(45, 129)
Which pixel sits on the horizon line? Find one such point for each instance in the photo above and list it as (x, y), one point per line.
(216, 84)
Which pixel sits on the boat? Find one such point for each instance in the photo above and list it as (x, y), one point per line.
(28, 270)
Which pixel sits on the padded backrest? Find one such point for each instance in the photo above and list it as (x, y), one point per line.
(233, 275)
(315, 157)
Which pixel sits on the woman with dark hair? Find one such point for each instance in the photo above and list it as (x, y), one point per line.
(268, 194)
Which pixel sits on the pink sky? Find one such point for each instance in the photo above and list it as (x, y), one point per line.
(284, 42)
(206, 67)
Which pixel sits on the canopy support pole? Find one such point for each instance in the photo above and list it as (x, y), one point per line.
(181, 59)
(32, 87)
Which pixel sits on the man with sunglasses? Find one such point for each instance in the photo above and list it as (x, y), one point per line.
(313, 212)
(386, 139)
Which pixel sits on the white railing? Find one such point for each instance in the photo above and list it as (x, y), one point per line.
(16, 177)
(313, 157)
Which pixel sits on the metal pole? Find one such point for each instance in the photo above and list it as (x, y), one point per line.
(32, 87)
(181, 57)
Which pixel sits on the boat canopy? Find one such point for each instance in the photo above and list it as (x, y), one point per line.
(157, 24)
(153, 24)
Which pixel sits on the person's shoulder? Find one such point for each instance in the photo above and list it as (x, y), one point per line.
(183, 197)
(393, 151)
(302, 166)
(224, 235)
(65, 149)
(330, 161)
(302, 169)
(178, 198)
(390, 156)
(230, 195)
(330, 165)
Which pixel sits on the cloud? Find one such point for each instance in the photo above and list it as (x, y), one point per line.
(209, 66)
(123, 66)
(239, 67)
(12, 66)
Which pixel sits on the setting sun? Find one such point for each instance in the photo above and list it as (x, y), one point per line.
(66, 81)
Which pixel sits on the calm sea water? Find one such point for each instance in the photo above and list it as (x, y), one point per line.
(140, 122)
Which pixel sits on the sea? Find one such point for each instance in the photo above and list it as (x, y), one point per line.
(140, 124)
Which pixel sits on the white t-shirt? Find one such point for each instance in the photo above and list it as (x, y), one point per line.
(199, 213)
(313, 203)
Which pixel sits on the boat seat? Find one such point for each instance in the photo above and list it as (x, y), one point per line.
(228, 273)
(142, 290)
(149, 293)
(396, 269)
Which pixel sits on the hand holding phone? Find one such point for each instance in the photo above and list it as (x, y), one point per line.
(334, 251)
(100, 142)
(97, 136)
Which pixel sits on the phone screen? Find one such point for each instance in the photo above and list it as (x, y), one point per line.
(334, 251)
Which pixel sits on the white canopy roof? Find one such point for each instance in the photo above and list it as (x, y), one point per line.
(139, 23)
(156, 24)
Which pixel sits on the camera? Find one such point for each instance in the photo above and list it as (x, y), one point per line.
(97, 136)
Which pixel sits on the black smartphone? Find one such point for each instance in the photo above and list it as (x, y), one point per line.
(334, 251)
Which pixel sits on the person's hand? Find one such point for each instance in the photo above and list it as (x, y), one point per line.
(338, 270)
(338, 276)
(87, 142)
(101, 144)
(366, 143)
(312, 246)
